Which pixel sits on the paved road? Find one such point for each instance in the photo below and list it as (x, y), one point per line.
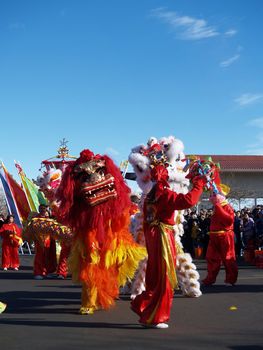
(43, 315)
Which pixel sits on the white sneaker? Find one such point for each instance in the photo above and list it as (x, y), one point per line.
(161, 325)
(38, 277)
(16, 268)
(60, 277)
(229, 284)
(5, 268)
(157, 326)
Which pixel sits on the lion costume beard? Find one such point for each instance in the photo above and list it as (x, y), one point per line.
(104, 254)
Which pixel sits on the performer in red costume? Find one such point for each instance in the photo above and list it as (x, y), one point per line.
(221, 247)
(11, 235)
(45, 252)
(154, 304)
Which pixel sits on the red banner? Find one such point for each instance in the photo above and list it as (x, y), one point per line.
(19, 196)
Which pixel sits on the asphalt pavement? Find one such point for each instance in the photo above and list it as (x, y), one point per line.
(44, 315)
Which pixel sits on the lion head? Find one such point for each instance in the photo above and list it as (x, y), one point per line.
(92, 192)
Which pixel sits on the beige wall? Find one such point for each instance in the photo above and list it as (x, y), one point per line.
(246, 187)
(244, 184)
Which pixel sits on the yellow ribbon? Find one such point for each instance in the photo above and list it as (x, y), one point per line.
(19, 239)
(217, 232)
(167, 255)
(168, 260)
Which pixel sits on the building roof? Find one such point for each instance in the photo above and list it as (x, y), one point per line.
(228, 163)
(237, 163)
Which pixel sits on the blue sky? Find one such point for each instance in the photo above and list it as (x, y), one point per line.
(108, 74)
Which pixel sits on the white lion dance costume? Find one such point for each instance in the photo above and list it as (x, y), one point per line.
(173, 148)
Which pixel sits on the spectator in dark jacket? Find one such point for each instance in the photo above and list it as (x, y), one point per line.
(259, 229)
(248, 230)
(237, 231)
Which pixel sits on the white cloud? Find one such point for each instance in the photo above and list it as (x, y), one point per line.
(258, 122)
(231, 32)
(228, 62)
(256, 147)
(188, 28)
(248, 98)
(113, 152)
(255, 151)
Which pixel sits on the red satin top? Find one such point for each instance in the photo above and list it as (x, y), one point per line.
(222, 219)
(168, 201)
(7, 230)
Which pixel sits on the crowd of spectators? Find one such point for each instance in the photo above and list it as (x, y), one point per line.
(196, 231)
(248, 229)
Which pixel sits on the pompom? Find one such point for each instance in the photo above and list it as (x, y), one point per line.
(85, 156)
(159, 173)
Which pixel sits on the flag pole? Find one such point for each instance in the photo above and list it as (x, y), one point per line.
(22, 176)
(124, 165)
(6, 200)
(31, 190)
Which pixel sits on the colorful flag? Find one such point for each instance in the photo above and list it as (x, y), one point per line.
(18, 194)
(34, 196)
(10, 201)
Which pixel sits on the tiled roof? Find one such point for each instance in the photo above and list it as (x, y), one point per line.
(228, 163)
(237, 162)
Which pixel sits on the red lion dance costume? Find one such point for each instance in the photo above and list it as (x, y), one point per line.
(221, 247)
(94, 201)
(154, 304)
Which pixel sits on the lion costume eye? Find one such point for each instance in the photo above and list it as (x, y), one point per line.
(82, 176)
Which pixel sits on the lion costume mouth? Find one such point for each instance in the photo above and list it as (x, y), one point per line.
(99, 191)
